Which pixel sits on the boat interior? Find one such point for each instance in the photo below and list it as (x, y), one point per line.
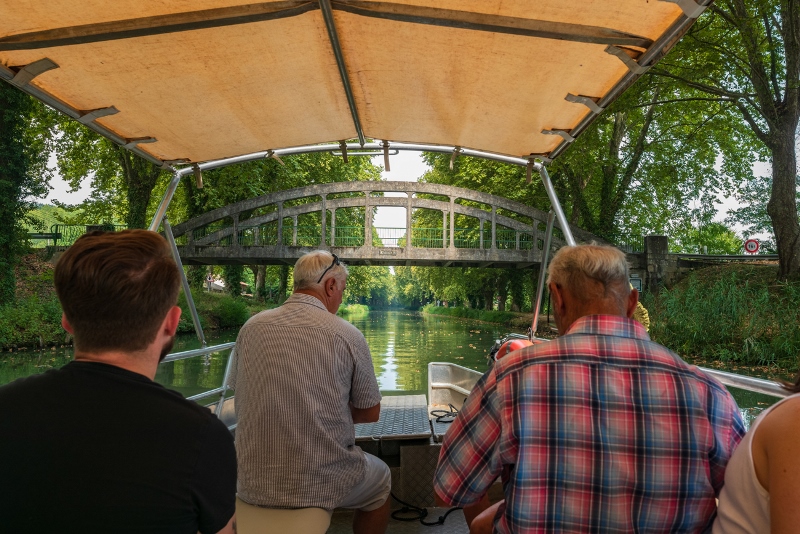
(193, 85)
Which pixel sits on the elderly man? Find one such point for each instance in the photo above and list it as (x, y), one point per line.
(600, 430)
(97, 446)
(303, 376)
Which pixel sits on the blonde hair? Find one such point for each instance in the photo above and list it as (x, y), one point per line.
(576, 268)
(311, 266)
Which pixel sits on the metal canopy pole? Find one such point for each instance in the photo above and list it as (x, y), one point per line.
(562, 219)
(198, 328)
(327, 14)
(158, 219)
(161, 212)
(548, 236)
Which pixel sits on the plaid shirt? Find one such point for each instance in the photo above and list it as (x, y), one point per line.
(601, 430)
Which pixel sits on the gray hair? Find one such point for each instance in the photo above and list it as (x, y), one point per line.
(311, 266)
(576, 267)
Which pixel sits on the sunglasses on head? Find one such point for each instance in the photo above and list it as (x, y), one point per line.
(331, 266)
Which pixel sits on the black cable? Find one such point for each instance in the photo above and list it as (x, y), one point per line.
(445, 416)
(418, 513)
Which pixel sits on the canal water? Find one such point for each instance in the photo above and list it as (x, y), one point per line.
(402, 344)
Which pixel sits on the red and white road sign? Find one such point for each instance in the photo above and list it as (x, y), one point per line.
(751, 246)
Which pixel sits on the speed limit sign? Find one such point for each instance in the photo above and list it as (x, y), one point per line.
(751, 246)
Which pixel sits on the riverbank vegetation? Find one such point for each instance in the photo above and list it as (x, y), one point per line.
(500, 317)
(736, 314)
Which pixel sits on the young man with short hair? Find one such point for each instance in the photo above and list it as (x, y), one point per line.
(97, 445)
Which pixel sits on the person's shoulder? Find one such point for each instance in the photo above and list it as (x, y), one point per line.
(345, 329)
(782, 421)
(46, 381)
(31, 384)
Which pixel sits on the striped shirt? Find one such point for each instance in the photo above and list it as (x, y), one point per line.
(601, 430)
(297, 369)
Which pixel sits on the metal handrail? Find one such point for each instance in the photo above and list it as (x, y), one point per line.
(198, 352)
(758, 385)
(223, 389)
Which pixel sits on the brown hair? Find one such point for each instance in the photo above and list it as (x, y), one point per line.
(116, 288)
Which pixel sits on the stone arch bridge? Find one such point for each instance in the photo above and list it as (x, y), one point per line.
(471, 228)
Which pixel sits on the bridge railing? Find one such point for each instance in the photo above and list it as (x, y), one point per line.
(353, 236)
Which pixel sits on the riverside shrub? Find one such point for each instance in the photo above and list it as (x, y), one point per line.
(31, 322)
(734, 317)
(488, 316)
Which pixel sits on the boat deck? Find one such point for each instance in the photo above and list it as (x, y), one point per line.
(404, 439)
(342, 523)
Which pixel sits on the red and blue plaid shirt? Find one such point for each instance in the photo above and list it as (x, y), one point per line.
(600, 430)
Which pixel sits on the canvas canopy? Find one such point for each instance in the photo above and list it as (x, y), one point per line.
(188, 81)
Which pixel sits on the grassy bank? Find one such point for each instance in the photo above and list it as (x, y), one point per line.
(488, 316)
(352, 310)
(737, 314)
(34, 320)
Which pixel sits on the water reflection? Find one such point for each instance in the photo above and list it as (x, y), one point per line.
(402, 344)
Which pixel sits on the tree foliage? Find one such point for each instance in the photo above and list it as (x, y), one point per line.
(24, 144)
(122, 183)
(746, 54)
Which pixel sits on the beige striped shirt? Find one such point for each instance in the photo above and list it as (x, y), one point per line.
(296, 369)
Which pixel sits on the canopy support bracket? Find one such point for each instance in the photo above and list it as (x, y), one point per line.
(631, 63)
(456, 152)
(343, 148)
(198, 176)
(139, 141)
(32, 70)
(90, 116)
(563, 133)
(273, 155)
(690, 8)
(587, 101)
(386, 155)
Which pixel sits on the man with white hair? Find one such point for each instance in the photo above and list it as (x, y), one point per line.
(600, 430)
(303, 377)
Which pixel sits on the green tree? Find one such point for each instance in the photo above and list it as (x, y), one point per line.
(24, 145)
(752, 211)
(122, 183)
(643, 162)
(746, 54)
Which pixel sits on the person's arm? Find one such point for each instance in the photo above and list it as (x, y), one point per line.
(230, 528)
(214, 481)
(776, 459)
(366, 415)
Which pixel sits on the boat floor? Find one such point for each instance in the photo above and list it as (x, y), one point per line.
(342, 522)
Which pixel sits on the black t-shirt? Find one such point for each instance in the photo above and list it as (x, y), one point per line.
(94, 448)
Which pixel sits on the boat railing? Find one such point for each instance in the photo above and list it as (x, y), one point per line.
(220, 407)
(750, 383)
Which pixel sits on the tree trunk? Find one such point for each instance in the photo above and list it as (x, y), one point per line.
(258, 292)
(284, 280)
(488, 299)
(141, 177)
(516, 287)
(502, 290)
(782, 206)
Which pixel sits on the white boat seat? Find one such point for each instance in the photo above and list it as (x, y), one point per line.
(258, 520)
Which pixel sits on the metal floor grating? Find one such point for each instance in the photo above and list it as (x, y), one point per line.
(402, 417)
